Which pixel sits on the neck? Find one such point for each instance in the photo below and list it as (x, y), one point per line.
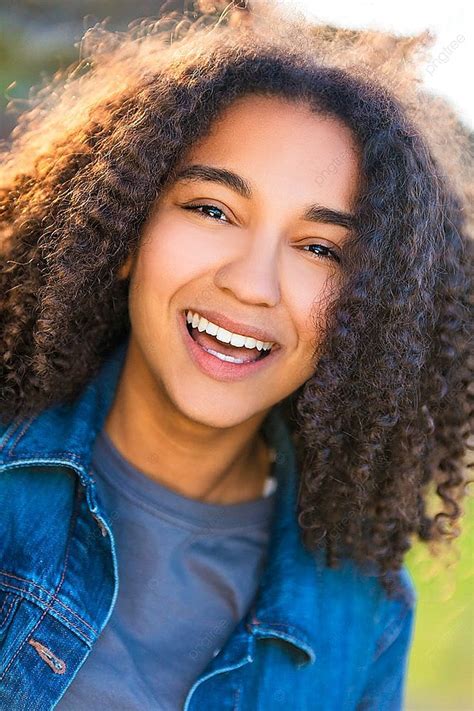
(221, 466)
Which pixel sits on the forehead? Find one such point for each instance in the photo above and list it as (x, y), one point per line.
(286, 146)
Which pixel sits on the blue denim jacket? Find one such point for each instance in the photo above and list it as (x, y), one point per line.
(315, 638)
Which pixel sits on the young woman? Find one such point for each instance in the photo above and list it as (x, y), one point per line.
(234, 363)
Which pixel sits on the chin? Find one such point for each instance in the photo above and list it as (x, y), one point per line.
(217, 412)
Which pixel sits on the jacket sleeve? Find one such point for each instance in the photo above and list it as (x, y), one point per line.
(384, 689)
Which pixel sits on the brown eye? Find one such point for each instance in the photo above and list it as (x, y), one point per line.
(213, 208)
(328, 253)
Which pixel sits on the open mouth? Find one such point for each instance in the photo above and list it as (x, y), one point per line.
(222, 361)
(210, 343)
(213, 345)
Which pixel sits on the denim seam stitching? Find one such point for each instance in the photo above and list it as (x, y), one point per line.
(73, 455)
(7, 613)
(20, 435)
(291, 629)
(48, 608)
(9, 432)
(63, 604)
(3, 603)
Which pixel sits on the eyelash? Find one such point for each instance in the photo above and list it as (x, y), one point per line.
(332, 254)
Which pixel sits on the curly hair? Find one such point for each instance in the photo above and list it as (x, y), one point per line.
(383, 424)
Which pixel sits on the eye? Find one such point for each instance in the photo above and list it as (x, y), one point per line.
(328, 252)
(213, 208)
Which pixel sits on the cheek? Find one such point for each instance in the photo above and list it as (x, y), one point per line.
(308, 306)
(175, 254)
(165, 263)
(309, 317)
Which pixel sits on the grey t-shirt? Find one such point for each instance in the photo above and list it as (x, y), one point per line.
(188, 572)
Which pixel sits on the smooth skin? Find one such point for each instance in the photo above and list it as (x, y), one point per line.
(249, 259)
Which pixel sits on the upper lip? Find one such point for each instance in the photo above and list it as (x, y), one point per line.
(260, 334)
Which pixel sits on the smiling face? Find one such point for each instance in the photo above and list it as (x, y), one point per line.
(279, 183)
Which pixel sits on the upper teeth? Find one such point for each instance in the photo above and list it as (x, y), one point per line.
(235, 339)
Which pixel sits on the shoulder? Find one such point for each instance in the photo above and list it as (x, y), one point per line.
(392, 613)
(360, 592)
(366, 581)
(363, 632)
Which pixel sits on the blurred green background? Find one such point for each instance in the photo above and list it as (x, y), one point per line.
(441, 665)
(37, 37)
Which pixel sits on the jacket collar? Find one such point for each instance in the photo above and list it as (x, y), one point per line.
(285, 605)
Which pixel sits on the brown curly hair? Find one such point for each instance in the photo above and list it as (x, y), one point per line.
(384, 422)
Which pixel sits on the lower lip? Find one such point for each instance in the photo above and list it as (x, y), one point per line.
(221, 369)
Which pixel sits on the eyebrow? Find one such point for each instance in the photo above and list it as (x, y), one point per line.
(223, 176)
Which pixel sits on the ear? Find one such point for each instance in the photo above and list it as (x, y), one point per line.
(124, 270)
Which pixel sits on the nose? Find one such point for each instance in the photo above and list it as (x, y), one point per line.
(252, 276)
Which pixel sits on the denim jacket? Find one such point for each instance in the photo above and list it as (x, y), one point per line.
(314, 639)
